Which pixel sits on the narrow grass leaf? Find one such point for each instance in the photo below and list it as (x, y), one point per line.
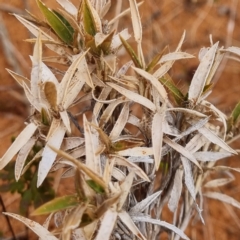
(66, 120)
(37, 156)
(106, 115)
(122, 71)
(167, 66)
(42, 71)
(120, 123)
(35, 31)
(81, 167)
(154, 81)
(188, 111)
(175, 56)
(105, 8)
(194, 127)
(84, 72)
(144, 159)
(95, 187)
(145, 203)
(134, 96)
(222, 116)
(211, 156)
(41, 231)
(91, 159)
(47, 222)
(107, 225)
(124, 162)
(19, 142)
(107, 204)
(118, 174)
(100, 38)
(78, 152)
(223, 168)
(212, 137)
(157, 136)
(126, 219)
(163, 69)
(128, 82)
(235, 50)
(218, 59)
(97, 81)
(137, 29)
(181, 41)
(181, 150)
(155, 61)
(134, 120)
(73, 90)
(20, 79)
(48, 156)
(176, 191)
(58, 218)
(136, 22)
(64, 20)
(116, 41)
(72, 23)
(218, 182)
(60, 28)
(66, 87)
(103, 96)
(170, 129)
(108, 169)
(73, 220)
(123, 143)
(36, 72)
(68, 6)
(109, 60)
(78, 234)
(131, 52)
(91, 20)
(136, 152)
(57, 204)
(169, 84)
(200, 77)
(235, 113)
(70, 172)
(223, 198)
(22, 157)
(188, 177)
(45, 117)
(123, 13)
(164, 224)
(125, 189)
(195, 143)
(32, 28)
(97, 145)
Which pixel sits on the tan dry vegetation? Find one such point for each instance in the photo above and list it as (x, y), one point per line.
(163, 24)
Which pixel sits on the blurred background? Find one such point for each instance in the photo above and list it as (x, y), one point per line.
(164, 21)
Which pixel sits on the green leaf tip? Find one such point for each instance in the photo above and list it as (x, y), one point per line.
(57, 204)
(58, 23)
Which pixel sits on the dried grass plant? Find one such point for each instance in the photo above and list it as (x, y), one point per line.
(143, 145)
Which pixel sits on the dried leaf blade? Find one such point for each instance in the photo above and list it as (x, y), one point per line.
(41, 231)
(19, 142)
(223, 198)
(201, 74)
(134, 96)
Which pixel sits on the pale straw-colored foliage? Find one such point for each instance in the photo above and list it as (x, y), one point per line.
(117, 153)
